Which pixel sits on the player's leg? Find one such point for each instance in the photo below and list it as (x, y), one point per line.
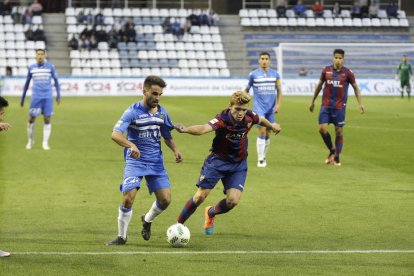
(408, 90)
(261, 147)
(35, 110)
(271, 118)
(339, 140)
(324, 120)
(233, 187)
(192, 204)
(129, 189)
(47, 127)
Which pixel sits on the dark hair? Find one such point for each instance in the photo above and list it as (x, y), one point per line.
(3, 102)
(43, 50)
(154, 80)
(339, 51)
(264, 54)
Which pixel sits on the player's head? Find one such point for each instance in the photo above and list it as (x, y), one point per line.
(40, 55)
(404, 58)
(3, 104)
(264, 60)
(239, 103)
(9, 71)
(153, 89)
(338, 58)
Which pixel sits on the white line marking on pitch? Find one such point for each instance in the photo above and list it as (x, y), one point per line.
(219, 252)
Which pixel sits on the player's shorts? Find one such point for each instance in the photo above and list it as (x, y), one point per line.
(155, 176)
(232, 174)
(270, 116)
(405, 82)
(332, 116)
(41, 106)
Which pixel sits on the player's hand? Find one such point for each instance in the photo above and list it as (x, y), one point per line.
(362, 109)
(277, 108)
(276, 128)
(311, 106)
(58, 100)
(134, 152)
(396, 77)
(21, 103)
(178, 156)
(4, 126)
(180, 128)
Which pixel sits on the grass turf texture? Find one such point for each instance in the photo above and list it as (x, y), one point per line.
(66, 199)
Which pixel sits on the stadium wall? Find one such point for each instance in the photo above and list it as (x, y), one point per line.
(132, 86)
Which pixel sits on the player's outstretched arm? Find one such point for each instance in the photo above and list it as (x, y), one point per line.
(315, 95)
(171, 144)
(120, 139)
(275, 127)
(194, 130)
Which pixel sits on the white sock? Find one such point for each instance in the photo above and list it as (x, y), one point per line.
(153, 212)
(261, 144)
(47, 129)
(123, 221)
(30, 131)
(267, 143)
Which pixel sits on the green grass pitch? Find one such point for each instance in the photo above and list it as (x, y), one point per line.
(66, 200)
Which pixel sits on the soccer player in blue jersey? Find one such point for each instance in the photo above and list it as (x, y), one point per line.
(228, 158)
(267, 92)
(41, 101)
(145, 123)
(336, 78)
(3, 127)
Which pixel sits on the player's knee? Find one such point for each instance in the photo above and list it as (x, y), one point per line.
(199, 198)
(164, 202)
(232, 202)
(127, 202)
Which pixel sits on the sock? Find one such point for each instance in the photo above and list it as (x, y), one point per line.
(339, 140)
(124, 218)
(187, 211)
(47, 129)
(328, 141)
(30, 131)
(261, 144)
(219, 208)
(154, 211)
(267, 143)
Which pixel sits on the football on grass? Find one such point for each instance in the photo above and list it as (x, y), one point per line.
(178, 235)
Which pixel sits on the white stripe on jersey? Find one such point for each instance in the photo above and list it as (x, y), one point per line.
(149, 119)
(264, 79)
(41, 74)
(38, 70)
(264, 84)
(144, 127)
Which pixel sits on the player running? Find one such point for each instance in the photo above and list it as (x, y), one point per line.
(228, 158)
(41, 101)
(335, 94)
(404, 72)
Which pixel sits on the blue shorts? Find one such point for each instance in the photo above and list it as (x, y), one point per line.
(332, 116)
(270, 116)
(156, 178)
(41, 106)
(232, 175)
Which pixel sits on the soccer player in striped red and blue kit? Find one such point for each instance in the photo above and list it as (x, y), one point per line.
(41, 101)
(228, 158)
(334, 98)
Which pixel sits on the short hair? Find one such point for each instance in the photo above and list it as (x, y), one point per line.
(39, 49)
(339, 51)
(240, 98)
(154, 80)
(3, 102)
(264, 54)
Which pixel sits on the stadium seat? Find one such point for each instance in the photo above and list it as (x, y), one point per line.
(375, 22)
(309, 14)
(329, 22)
(283, 22)
(271, 13)
(245, 21)
(310, 22)
(252, 13)
(338, 22)
(320, 22)
(254, 21)
(357, 22)
(366, 22)
(290, 13)
(327, 13)
(273, 21)
(345, 13)
(394, 22)
(382, 14)
(301, 21)
(404, 22)
(385, 22)
(401, 14)
(348, 22)
(264, 21)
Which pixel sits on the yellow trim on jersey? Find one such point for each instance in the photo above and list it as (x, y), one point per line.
(278, 82)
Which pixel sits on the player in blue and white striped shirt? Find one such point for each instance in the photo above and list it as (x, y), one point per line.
(41, 101)
(267, 91)
(145, 122)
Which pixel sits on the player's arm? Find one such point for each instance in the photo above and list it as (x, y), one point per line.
(171, 144)
(358, 97)
(249, 84)
(194, 130)
(121, 140)
(279, 96)
(315, 95)
(26, 86)
(275, 127)
(57, 86)
(397, 74)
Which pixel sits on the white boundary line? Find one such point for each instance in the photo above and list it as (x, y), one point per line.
(220, 252)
